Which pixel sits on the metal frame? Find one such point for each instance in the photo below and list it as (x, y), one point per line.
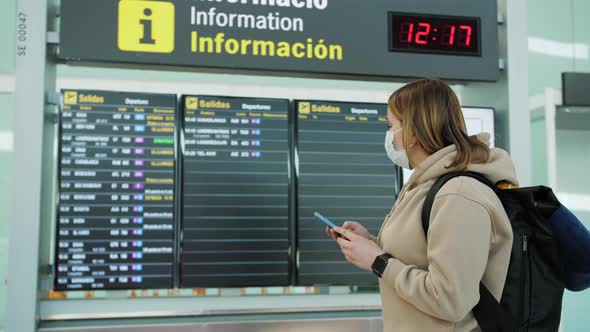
(544, 106)
(519, 125)
(346, 321)
(193, 307)
(552, 98)
(35, 78)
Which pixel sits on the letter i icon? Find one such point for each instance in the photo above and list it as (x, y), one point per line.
(147, 28)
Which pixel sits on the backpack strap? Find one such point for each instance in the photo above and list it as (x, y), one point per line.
(490, 315)
(440, 182)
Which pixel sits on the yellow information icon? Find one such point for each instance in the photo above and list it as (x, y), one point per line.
(70, 97)
(191, 103)
(146, 26)
(304, 108)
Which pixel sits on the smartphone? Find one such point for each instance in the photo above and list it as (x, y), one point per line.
(324, 220)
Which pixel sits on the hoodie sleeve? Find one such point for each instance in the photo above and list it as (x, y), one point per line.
(457, 252)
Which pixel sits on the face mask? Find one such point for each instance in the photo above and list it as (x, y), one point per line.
(398, 157)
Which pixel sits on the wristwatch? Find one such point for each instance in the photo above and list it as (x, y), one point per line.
(380, 263)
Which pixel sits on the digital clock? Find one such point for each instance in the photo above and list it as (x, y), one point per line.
(434, 34)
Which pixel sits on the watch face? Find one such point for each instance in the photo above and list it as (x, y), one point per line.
(379, 265)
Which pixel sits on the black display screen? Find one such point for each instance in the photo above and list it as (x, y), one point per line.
(434, 34)
(116, 226)
(235, 213)
(228, 213)
(344, 174)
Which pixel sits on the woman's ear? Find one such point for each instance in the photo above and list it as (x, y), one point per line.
(413, 140)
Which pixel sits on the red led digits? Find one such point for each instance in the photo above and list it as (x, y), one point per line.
(406, 32)
(467, 34)
(448, 35)
(423, 33)
(434, 34)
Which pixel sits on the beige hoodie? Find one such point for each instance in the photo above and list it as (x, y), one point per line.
(433, 285)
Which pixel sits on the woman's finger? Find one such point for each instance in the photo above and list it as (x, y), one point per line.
(343, 243)
(350, 235)
(328, 232)
(332, 234)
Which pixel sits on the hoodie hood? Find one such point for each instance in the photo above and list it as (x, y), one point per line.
(499, 166)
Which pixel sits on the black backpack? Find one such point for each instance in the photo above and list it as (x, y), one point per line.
(533, 292)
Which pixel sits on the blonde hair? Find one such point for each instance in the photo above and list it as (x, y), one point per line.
(430, 110)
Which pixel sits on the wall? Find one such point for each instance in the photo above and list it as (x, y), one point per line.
(558, 41)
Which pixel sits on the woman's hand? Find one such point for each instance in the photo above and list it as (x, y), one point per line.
(352, 226)
(357, 249)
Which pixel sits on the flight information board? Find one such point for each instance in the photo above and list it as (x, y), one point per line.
(235, 192)
(116, 226)
(344, 174)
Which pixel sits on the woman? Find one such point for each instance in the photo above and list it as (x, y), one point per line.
(432, 285)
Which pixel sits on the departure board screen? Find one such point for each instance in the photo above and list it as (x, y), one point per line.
(235, 192)
(344, 174)
(116, 227)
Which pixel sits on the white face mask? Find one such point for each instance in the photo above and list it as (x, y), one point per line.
(398, 157)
